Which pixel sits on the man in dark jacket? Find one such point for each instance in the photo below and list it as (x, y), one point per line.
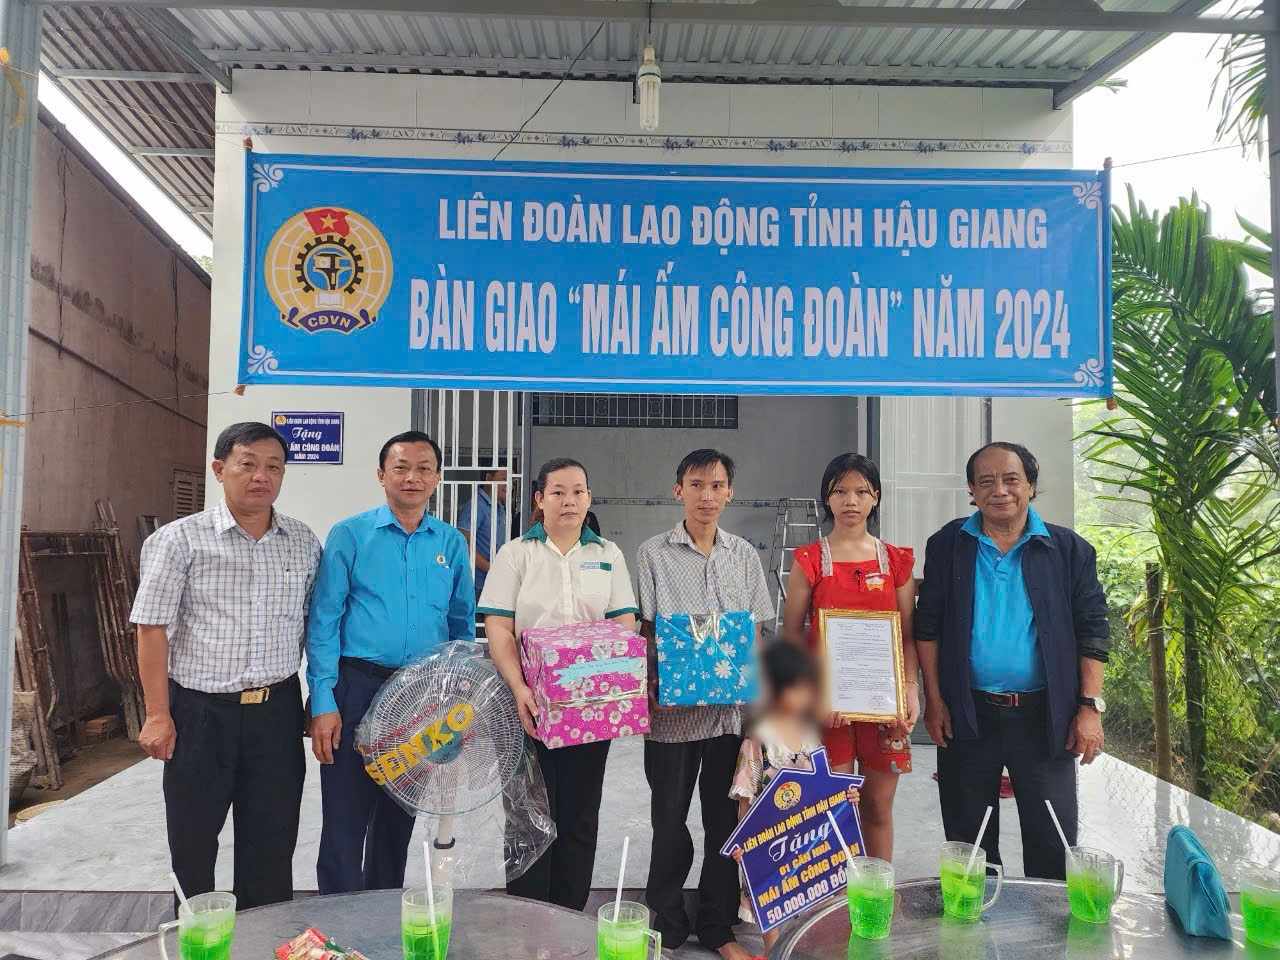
(1011, 627)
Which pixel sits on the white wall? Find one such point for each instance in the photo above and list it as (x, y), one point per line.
(312, 112)
(780, 449)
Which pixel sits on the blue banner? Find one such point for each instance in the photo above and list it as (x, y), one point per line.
(791, 858)
(675, 279)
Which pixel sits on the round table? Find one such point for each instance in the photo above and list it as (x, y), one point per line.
(1030, 921)
(486, 926)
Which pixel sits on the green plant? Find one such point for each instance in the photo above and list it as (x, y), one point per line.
(1240, 83)
(1191, 437)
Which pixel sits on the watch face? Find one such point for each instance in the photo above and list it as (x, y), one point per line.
(1100, 704)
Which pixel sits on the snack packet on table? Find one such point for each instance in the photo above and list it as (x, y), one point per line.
(311, 944)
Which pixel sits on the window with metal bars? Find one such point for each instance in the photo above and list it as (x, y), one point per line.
(706, 411)
(188, 493)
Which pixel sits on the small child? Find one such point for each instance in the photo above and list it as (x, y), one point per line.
(785, 735)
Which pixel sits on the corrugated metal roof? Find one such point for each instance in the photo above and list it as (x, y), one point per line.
(136, 114)
(532, 46)
(96, 37)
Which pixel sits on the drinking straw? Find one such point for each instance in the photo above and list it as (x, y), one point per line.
(177, 888)
(431, 897)
(848, 857)
(973, 854)
(622, 870)
(1057, 826)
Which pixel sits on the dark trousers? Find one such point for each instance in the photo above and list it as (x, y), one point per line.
(672, 769)
(969, 779)
(575, 778)
(246, 758)
(364, 834)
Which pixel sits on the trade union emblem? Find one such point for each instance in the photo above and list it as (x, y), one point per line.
(787, 795)
(328, 268)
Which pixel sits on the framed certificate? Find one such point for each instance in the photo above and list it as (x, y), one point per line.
(860, 652)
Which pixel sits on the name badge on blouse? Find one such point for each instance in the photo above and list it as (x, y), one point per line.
(595, 565)
(875, 582)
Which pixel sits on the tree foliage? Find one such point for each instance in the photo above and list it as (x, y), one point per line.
(1191, 436)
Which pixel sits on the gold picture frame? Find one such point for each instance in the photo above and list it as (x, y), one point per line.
(894, 626)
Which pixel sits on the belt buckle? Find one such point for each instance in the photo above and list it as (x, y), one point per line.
(258, 695)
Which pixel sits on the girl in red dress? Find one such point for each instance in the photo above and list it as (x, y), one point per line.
(852, 570)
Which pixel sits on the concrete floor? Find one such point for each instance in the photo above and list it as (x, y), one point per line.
(68, 864)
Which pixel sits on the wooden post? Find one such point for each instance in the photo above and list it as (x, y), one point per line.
(1159, 677)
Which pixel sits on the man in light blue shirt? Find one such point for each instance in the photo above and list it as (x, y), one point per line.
(1005, 654)
(485, 518)
(393, 586)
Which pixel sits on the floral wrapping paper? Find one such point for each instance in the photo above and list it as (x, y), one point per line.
(705, 659)
(590, 681)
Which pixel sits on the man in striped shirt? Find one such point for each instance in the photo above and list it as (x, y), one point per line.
(221, 615)
(696, 568)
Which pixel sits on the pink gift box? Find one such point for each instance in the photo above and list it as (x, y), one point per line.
(590, 681)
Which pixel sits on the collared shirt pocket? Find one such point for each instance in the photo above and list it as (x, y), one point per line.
(287, 592)
(438, 585)
(595, 580)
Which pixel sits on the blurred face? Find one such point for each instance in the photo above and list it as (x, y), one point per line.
(1000, 488)
(851, 500)
(499, 477)
(410, 476)
(705, 492)
(799, 700)
(564, 500)
(251, 475)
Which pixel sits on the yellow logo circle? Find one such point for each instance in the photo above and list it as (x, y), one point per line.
(328, 268)
(787, 795)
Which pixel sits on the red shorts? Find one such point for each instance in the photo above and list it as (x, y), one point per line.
(872, 745)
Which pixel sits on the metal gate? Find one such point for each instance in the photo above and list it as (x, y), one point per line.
(479, 431)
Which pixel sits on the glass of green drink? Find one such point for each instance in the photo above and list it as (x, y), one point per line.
(1094, 880)
(963, 886)
(206, 925)
(425, 923)
(622, 932)
(870, 892)
(1260, 904)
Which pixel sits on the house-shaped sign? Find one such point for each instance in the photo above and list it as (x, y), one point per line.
(791, 858)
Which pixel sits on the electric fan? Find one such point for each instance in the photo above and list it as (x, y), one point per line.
(443, 738)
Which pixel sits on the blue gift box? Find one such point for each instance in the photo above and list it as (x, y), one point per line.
(706, 658)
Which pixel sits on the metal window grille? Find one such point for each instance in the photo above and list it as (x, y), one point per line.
(634, 410)
(188, 493)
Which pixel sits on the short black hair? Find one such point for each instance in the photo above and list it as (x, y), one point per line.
(409, 436)
(244, 434)
(551, 466)
(592, 523)
(849, 463)
(787, 665)
(706, 457)
(1030, 465)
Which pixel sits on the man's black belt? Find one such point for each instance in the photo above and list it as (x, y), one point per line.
(254, 695)
(368, 667)
(1031, 698)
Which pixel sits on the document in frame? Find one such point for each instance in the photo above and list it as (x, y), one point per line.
(862, 662)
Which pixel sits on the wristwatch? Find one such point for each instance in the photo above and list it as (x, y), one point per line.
(1096, 702)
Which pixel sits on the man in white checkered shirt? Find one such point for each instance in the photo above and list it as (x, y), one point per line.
(696, 568)
(221, 615)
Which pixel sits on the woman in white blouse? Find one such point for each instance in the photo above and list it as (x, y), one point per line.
(559, 572)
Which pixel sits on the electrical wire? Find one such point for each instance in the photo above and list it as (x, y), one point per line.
(1177, 156)
(581, 53)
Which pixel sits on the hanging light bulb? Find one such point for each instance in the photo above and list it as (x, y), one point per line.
(648, 83)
